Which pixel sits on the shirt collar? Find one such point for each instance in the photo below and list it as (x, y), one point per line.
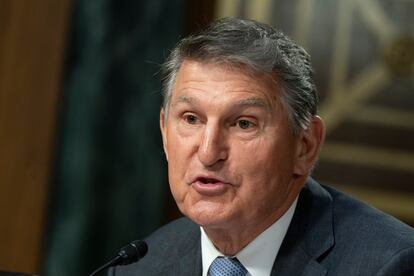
(260, 254)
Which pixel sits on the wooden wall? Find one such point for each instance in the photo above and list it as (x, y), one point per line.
(32, 42)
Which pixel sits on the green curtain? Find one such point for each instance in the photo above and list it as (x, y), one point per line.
(110, 179)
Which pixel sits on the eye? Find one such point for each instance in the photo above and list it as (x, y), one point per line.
(190, 119)
(244, 124)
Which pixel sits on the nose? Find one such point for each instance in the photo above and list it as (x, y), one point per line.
(213, 147)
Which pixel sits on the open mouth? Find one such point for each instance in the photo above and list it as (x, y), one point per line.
(209, 186)
(206, 180)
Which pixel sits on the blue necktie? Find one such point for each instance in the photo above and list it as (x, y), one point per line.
(223, 266)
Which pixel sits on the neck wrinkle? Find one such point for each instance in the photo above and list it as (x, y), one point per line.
(230, 241)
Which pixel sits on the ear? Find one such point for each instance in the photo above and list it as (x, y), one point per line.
(163, 127)
(309, 145)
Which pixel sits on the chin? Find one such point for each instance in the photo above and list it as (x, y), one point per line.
(207, 214)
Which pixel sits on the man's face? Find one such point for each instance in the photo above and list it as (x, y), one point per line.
(232, 160)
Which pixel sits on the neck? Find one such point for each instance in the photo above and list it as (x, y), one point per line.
(232, 240)
(227, 243)
(233, 237)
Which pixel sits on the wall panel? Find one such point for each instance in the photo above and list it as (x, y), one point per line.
(32, 39)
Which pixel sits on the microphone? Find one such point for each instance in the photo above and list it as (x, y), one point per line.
(129, 254)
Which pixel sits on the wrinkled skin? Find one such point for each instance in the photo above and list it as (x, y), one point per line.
(234, 165)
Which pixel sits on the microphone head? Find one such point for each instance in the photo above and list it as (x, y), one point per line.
(132, 252)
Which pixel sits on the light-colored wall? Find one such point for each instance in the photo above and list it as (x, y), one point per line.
(362, 53)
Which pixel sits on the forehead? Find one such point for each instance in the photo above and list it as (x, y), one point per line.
(217, 80)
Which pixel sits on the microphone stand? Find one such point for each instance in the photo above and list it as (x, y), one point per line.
(105, 266)
(130, 253)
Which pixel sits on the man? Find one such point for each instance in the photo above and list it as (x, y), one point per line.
(241, 137)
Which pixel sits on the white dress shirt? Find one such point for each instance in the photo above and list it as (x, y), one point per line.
(260, 254)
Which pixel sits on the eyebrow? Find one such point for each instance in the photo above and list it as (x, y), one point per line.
(253, 101)
(183, 99)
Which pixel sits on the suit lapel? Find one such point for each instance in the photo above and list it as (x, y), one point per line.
(297, 263)
(190, 261)
(310, 234)
(190, 264)
(309, 237)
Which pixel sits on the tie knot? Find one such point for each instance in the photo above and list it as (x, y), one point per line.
(223, 266)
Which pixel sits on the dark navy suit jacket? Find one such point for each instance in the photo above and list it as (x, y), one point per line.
(330, 234)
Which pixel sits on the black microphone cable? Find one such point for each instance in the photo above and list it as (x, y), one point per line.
(129, 254)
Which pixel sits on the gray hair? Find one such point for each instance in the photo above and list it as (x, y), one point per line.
(259, 48)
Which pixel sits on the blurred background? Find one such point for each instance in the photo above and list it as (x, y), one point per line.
(82, 170)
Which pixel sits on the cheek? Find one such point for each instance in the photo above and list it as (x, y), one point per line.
(264, 165)
(176, 149)
(176, 192)
(179, 159)
(255, 156)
